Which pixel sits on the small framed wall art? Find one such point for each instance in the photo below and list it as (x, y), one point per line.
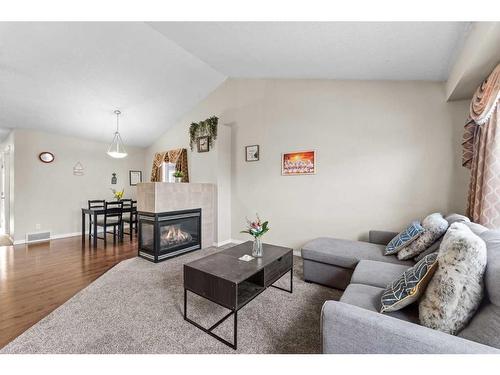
(252, 153)
(78, 169)
(134, 177)
(298, 163)
(203, 144)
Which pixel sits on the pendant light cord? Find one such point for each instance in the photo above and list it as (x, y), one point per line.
(117, 120)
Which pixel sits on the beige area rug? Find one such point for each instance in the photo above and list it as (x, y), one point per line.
(137, 307)
(5, 240)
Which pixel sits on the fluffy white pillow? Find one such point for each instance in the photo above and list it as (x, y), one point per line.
(434, 227)
(456, 289)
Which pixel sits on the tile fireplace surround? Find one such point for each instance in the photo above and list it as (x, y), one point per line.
(160, 197)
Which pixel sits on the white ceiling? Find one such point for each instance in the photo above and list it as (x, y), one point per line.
(337, 50)
(69, 77)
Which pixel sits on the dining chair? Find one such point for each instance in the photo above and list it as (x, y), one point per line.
(112, 217)
(94, 203)
(130, 217)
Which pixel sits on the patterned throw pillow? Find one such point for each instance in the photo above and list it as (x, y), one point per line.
(404, 238)
(410, 285)
(435, 226)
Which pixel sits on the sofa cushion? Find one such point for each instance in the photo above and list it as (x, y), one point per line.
(492, 273)
(408, 287)
(434, 227)
(346, 253)
(374, 273)
(368, 297)
(403, 239)
(454, 218)
(476, 228)
(484, 327)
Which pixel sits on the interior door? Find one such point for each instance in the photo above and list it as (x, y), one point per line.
(5, 192)
(2, 194)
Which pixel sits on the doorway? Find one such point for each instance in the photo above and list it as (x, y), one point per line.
(5, 192)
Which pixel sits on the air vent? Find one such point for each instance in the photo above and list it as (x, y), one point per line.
(37, 237)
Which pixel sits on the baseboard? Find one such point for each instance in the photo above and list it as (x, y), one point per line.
(60, 236)
(54, 237)
(222, 243)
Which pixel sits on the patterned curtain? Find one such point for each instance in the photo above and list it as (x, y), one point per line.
(481, 153)
(177, 156)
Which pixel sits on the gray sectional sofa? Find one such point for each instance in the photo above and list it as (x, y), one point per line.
(354, 324)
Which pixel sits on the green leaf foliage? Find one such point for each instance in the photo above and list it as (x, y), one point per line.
(204, 128)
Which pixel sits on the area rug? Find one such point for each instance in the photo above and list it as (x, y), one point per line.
(137, 307)
(5, 240)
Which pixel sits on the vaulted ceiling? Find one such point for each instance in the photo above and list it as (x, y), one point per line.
(69, 77)
(335, 50)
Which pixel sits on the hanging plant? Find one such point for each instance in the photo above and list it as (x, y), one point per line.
(204, 128)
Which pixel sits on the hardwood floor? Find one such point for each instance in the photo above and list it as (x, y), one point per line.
(36, 279)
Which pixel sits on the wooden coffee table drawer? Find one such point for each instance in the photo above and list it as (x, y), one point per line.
(278, 268)
(211, 287)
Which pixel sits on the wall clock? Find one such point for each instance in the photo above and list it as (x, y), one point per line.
(46, 157)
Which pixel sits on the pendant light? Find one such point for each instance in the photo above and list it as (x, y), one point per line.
(116, 149)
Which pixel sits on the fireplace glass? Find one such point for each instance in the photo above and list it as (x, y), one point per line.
(178, 233)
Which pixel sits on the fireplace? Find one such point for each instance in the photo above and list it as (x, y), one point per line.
(168, 234)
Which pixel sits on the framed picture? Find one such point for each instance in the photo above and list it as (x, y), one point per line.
(298, 163)
(134, 177)
(203, 144)
(252, 153)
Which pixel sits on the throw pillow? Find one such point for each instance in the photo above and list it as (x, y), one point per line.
(404, 238)
(431, 249)
(453, 218)
(456, 290)
(435, 226)
(409, 286)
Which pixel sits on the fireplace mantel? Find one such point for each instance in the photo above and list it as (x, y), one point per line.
(161, 197)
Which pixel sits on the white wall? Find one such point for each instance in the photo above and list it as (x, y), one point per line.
(50, 195)
(209, 167)
(388, 152)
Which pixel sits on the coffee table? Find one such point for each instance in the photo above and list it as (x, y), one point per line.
(232, 283)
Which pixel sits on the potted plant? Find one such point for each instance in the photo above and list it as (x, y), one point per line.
(178, 175)
(257, 229)
(118, 195)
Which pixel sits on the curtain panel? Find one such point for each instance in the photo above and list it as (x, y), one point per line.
(481, 153)
(177, 156)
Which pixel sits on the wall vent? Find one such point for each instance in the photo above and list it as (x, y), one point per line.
(37, 237)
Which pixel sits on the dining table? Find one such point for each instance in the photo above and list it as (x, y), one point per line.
(94, 212)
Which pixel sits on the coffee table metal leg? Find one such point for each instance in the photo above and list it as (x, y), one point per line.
(209, 330)
(235, 327)
(291, 282)
(185, 304)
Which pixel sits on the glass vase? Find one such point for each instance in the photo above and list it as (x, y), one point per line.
(257, 247)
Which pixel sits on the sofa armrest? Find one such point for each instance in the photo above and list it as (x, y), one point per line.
(381, 237)
(348, 329)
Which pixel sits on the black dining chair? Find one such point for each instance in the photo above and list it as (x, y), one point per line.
(130, 216)
(112, 217)
(96, 204)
